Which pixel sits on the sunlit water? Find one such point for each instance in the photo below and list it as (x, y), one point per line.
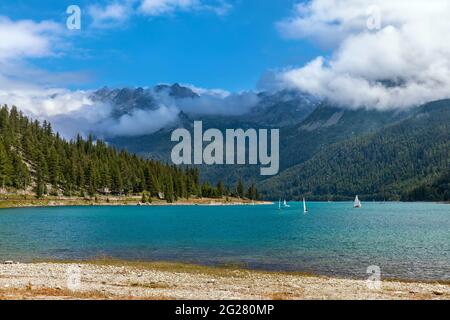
(406, 240)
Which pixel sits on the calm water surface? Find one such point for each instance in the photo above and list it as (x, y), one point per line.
(407, 240)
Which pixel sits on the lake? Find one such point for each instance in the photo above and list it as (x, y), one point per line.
(406, 240)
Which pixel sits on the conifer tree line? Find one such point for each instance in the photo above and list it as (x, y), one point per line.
(33, 157)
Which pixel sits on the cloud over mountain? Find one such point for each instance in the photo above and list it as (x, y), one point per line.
(124, 112)
(385, 54)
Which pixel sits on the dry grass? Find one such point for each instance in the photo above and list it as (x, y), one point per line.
(29, 293)
(152, 285)
(45, 293)
(279, 296)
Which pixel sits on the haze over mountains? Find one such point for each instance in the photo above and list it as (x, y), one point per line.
(326, 151)
(281, 108)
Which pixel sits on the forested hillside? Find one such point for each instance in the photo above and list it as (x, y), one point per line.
(35, 159)
(434, 190)
(387, 164)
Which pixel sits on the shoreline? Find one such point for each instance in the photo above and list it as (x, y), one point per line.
(114, 279)
(17, 202)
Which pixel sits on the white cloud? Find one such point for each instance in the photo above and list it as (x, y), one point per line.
(26, 39)
(75, 112)
(23, 40)
(210, 101)
(140, 122)
(111, 15)
(114, 14)
(220, 93)
(217, 104)
(404, 63)
(159, 7)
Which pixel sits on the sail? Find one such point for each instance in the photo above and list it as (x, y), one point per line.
(305, 209)
(357, 203)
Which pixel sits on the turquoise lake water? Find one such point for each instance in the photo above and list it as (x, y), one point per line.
(406, 240)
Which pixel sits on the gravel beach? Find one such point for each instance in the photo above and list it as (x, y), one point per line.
(159, 281)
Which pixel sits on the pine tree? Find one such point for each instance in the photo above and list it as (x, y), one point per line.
(169, 190)
(144, 197)
(252, 192)
(220, 189)
(54, 168)
(40, 185)
(240, 189)
(5, 167)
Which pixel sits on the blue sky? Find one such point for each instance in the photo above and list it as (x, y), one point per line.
(229, 51)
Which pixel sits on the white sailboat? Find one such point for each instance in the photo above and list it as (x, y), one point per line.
(285, 204)
(279, 204)
(357, 203)
(305, 208)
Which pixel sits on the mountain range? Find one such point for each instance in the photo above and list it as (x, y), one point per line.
(326, 151)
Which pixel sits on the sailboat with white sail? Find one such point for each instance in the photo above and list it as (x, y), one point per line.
(305, 208)
(357, 204)
(285, 204)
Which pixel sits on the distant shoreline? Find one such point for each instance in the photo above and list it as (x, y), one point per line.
(17, 202)
(162, 281)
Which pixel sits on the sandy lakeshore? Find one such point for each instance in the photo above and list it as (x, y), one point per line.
(127, 280)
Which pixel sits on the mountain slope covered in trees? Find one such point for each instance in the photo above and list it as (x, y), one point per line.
(435, 190)
(387, 164)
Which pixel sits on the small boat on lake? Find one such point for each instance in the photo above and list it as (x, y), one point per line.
(305, 208)
(357, 203)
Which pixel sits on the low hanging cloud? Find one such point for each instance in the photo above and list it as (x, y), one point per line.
(211, 101)
(75, 112)
(385, 54)
(231, 105)
(79, 112)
